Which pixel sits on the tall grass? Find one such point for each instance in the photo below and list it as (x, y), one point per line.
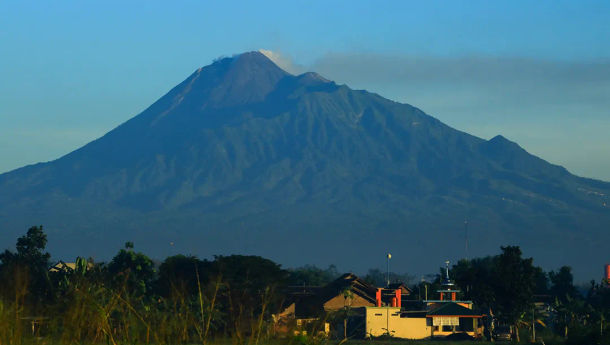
(13, 306)
(90, 312)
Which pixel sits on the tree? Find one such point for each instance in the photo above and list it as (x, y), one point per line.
(476, 280)
(30, 263)
(562, 284)
(132, 271)
(598, 297)
(378, 278)
(542, 281)
(30, 250)
(249, 273)
(515, 283)
(504, 284)
(312, 276)
(179, 273)
(251, 287)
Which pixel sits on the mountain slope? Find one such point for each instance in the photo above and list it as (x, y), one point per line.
(245, 157)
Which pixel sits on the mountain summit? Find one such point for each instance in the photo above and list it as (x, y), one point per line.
(243, 157)
(244, 79)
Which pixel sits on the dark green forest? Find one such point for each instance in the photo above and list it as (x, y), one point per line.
(134, 300)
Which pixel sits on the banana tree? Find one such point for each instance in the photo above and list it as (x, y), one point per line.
(529, 321)
(571, 312)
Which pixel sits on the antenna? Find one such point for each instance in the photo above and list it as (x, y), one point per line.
(466, 236)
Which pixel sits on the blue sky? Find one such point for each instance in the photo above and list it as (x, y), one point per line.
(537, 72)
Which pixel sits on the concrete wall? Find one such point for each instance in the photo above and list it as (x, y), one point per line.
(381, 319)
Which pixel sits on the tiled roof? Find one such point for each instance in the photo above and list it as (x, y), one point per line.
(453, 309)
(351, 281)
(310, 300)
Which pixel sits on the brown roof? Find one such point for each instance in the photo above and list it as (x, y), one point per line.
(309, 300)
(349, 281)
(405, 289)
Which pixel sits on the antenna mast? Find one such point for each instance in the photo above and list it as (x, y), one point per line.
(466, 236)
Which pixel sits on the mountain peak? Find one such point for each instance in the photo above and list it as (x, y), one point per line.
(312, 77)
(254, 58)
(499, 146)
(499, 138)
(501, 142)
(252, 61)
(253, 55)
(231, 81)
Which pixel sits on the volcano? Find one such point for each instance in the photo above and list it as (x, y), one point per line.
(243, 157)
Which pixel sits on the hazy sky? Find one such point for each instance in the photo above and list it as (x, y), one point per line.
(537, 72)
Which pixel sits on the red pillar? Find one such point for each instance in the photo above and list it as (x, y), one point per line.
(378, 297)
(453, 296)
(398, 298)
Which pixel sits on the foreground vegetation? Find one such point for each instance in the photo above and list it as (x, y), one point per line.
(232, 299)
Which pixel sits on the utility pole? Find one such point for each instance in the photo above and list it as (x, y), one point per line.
(388, 269)
(387, 320)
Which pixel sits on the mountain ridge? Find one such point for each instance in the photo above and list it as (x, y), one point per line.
(242, 147)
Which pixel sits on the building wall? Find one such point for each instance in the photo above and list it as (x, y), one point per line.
(412, 328)
(381, 319)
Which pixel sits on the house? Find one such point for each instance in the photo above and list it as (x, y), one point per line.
(69, 267)
(308, 307)
(311, 308)
(432, 318)
(62, 266)
(312, 302)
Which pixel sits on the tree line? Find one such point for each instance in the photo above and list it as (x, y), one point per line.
(184, 299)
(507, 287)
